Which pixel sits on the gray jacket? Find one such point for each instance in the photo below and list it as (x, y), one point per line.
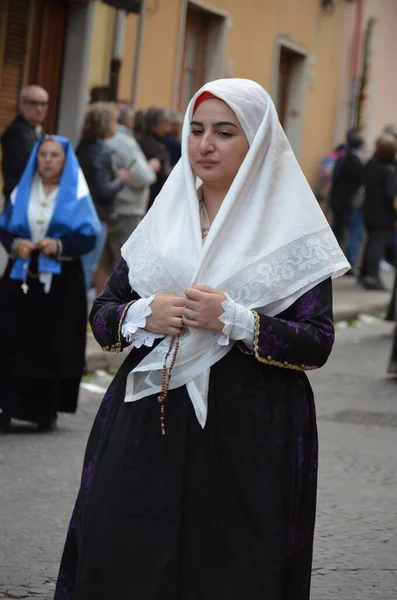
(133, 198)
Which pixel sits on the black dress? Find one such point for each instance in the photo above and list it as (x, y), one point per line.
(379, 217)
(392, 316)
(224, 512)
(43, 337)
(347, 179)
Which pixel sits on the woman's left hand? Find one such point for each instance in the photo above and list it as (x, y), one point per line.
(203, 308)
(48, 246)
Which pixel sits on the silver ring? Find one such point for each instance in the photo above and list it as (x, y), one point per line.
(190, 315)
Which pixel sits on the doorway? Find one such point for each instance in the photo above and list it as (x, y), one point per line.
(289, 89)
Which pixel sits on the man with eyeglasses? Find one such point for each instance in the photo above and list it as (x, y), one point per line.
(19, 138)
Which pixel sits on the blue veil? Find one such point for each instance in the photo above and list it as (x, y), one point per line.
(74, 211)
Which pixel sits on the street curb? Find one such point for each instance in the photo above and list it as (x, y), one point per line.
(353, 313)
(97, 359)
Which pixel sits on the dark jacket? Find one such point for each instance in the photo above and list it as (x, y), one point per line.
(347, 178)
(174, 146)
(96, 163)
(380, 179)
(17, 143)
(153, 147)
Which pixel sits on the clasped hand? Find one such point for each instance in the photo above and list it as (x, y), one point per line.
(48, 246)
(200, 308)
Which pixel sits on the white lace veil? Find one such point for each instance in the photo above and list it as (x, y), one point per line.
(268, 245)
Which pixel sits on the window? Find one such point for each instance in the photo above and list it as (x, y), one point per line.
(203, 51)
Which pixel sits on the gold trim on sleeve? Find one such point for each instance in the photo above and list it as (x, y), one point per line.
(117, 347)
(269, 360)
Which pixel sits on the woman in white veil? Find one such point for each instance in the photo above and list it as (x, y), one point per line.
(200, 474)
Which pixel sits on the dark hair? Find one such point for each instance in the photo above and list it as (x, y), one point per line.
(354, 140)
(154, 116)
(140, 122)
(385, 148)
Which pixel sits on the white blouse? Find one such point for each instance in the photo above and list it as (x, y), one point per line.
(239, 322)
(40, 211)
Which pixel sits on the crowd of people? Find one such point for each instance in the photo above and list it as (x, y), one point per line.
(362, 199)
(67, 214)
(360, 195)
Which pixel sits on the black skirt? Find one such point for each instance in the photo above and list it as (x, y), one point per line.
(43, 338)
(224, 512)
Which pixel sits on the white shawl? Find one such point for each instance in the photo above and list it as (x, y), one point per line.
(268, 245)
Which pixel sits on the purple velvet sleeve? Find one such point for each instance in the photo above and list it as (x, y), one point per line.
(303, 335)
(109, 310)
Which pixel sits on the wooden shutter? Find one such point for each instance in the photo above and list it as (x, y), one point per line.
(46, 60)
(16, 35)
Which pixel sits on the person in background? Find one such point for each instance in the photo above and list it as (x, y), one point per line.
(345, 196)
(392, 316)
(172, 139)
(126, 118)
(323, 186)
(379, 210)
(132, 200)
(95, 158)
(153, 146)
(47, 225)
(139, 122)
(391, 130)
(391, 310)
(21, 135)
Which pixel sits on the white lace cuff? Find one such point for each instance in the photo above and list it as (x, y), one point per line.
(239, 323)
(132, 328)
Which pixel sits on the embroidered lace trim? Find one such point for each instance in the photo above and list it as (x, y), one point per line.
(239, 323)
(134, 323)
(267, 281)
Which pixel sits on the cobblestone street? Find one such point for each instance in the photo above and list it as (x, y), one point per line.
(356, 542)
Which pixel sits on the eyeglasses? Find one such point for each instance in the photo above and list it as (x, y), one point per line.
(36, 103)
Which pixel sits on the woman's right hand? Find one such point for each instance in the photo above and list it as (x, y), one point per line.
(166, 317)
(125, 175)
(24, 248)
(155, 164)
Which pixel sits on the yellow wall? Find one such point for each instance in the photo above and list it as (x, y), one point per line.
(127, 65)
(255, 25)
(159, 49)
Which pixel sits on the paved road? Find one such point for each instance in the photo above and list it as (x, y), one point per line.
(356, 545)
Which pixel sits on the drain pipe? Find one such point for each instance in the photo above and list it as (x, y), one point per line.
(117, 54)
(354, 72)
(138, 53)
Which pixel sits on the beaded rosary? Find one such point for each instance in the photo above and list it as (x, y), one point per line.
(166, 376)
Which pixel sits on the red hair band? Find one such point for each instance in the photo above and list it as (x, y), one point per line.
(204, 96)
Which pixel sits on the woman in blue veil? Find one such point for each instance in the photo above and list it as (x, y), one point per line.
(49, 223)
